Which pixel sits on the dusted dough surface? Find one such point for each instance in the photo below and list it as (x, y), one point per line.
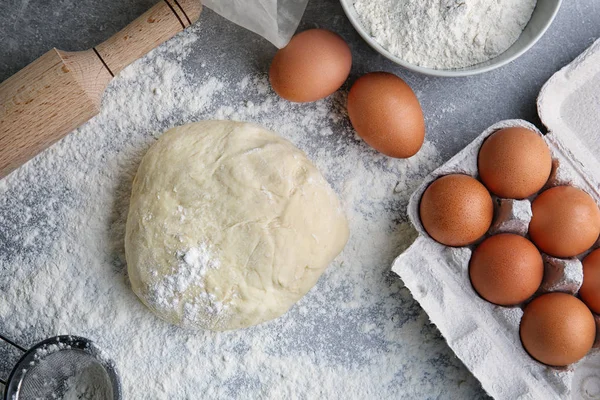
(229, 225)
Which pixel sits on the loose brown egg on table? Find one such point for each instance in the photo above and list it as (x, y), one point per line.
(386, 114)
(590, 290)
(565, 222)
(506, 269)
(514, 163)
(456, 210)
(557, 329)
(312, 66)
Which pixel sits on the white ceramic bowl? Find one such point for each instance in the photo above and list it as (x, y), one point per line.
(542, 17)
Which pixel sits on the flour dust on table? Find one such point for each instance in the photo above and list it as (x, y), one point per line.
(358, 333)
(445, 34)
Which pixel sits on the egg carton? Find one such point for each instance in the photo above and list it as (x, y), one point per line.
(486, 336)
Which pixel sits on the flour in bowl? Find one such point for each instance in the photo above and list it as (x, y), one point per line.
(445, 34)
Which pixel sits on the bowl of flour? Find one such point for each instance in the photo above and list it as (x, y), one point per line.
(451, 37)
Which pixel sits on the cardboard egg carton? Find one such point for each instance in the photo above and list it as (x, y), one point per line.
(486, 336)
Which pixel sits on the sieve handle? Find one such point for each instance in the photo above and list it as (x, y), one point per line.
(16, 346)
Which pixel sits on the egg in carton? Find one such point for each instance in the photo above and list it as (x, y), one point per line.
(486, 336)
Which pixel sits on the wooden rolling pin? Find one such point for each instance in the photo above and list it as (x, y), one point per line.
(61, 90)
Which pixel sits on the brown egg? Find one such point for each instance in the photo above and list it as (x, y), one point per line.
(590, 290)
(456, 210)
(312, 66)
(557, 329)
(506, 269)
(514, 163)
(386, 114)
(565, 223)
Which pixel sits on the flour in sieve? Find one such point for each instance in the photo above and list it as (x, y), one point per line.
(87, 384)
(445, 34)
(358, 333)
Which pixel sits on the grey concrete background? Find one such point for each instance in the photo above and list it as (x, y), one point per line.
(456, 109)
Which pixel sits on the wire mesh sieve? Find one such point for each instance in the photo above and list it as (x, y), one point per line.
(63, 368)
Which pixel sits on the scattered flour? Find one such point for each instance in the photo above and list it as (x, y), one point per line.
(357, 334)
(445, 34)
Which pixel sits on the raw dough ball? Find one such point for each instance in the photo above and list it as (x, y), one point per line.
(229, 226)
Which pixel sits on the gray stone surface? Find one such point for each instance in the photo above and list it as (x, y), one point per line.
(456, 110)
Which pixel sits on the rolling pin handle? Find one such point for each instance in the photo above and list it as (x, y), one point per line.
(151, 29)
